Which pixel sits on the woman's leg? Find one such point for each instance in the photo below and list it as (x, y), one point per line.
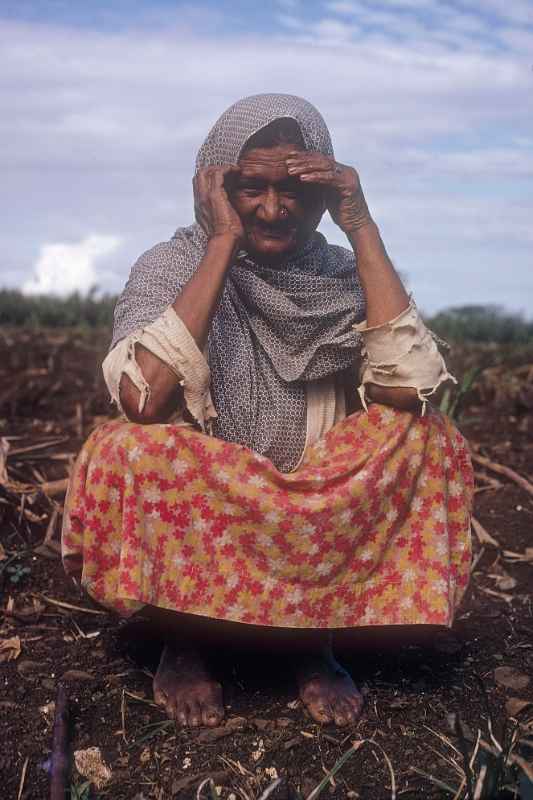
(184, 686)
(326, 689)
(372, 530)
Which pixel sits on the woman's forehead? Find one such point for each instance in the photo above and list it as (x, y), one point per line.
(263, 158)
(234, 128)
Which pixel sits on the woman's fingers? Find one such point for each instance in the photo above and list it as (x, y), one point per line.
(213, 208)
(315, 168)
(310, 159)
(326, 176)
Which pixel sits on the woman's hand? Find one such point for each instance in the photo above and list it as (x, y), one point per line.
(343, 194)
(212, 206)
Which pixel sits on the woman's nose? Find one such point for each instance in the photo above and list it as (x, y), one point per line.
(270, 207)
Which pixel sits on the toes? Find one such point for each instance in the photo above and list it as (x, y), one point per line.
(164, 701)
(212, 716)
(348, 710)
(340, 718)
(181, 717)
(343, 713)
(316, 700)
(323, 713)
(356, 703)
(320, 710)
(213, 707)
(160, 697)
(194, 714)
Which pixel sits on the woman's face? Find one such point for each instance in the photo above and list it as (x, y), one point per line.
(278, 212)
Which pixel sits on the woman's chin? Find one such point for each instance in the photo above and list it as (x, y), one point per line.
(271, 249)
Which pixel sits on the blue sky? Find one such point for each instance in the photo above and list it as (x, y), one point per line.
(105, 104)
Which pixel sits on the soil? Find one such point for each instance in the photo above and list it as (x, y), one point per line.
(426, 696)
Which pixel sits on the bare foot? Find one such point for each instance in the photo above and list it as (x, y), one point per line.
(184, 688)
(328, 691)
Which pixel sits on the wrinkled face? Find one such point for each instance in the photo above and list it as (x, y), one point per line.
(278, 212)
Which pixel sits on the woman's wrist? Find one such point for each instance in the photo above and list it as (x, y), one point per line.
(364, 226)
(224, 245)
(225, 239)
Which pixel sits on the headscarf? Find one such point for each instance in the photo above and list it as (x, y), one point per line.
(274, 329)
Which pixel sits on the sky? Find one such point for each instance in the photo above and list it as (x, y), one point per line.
(104, 105)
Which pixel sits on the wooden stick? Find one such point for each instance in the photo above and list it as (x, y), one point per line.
(503, 470)
(23, 777)
(50, 530)
(52, 488)
(61, 604)
(39, 446)
(4, 450)
(483, 535)
(59, 769)
(492, 483)
(79, 420)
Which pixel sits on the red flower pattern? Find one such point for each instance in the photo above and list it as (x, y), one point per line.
(373, 528)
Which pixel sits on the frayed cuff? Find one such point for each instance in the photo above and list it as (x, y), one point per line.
(168, 339)
(402, 353)
(121, 361)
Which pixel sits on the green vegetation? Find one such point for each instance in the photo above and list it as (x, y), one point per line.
(482, 324)
(80, 791)
(461, 324)
(50, 311)
(450, 403)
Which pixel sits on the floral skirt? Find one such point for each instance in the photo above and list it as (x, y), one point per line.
(373, 528)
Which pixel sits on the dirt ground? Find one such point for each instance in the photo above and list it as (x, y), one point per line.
(437, 713)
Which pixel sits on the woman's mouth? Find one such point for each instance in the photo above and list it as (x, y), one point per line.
(278, 232)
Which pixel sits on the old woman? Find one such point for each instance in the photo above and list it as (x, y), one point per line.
(278, 471)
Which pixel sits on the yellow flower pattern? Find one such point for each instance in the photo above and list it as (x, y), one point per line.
(373, 528)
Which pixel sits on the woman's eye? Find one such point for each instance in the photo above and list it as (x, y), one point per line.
(251, 192)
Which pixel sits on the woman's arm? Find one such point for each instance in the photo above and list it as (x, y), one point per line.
(385, 299)
(196, 304)
(385, 295)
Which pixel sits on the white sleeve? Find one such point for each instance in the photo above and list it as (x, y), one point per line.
(168, 339)
(402, 352)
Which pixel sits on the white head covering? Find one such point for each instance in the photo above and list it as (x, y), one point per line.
(275, 328)
(232, 130)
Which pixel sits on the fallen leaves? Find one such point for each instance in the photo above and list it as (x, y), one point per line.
(232, 725)
(506, 583)
(526, 556)
(511, 678)
(501, 469)
(258, 754)
(91, 765)
(27, 668)
(48, 710)
(180, 784)
(515, 705)
(9, 649)
(27, 614)
(483, 535)
(77, 675)
(4, 449)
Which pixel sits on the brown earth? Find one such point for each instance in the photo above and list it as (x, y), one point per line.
(425, 701)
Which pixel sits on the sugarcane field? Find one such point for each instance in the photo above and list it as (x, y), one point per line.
(450, 715)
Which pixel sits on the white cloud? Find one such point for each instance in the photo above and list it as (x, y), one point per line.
(332, 31)
(516, 11)
(63, 268)
(99, 133)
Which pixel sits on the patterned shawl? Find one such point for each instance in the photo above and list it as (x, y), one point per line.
(275, 328)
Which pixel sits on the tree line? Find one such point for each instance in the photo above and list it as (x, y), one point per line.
(474, 323)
